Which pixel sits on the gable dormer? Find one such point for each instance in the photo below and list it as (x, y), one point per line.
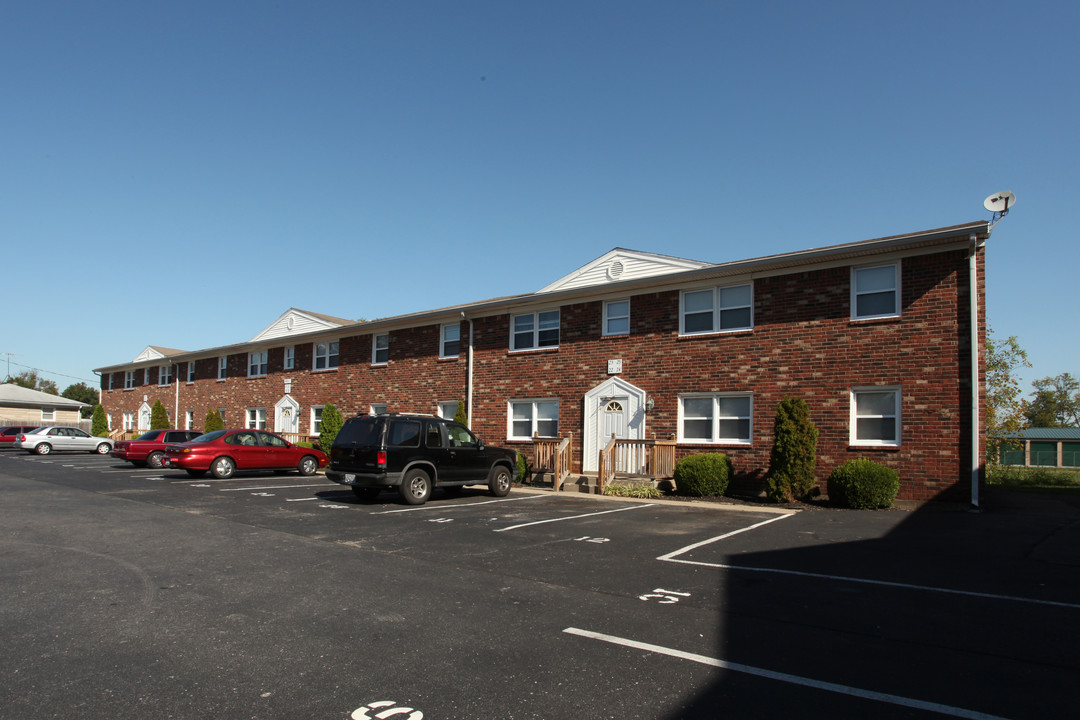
(298, 322)
(153, 352)
(621, 264)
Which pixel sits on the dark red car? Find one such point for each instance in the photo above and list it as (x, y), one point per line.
(9, 433)
(149, 448)
(223, 452)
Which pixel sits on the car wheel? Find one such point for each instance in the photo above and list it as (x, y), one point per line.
(43, 448)
(500, 481)
(308, 465)
(366, 494)
(415, 487)
(154, 459)
(196, 473)
(223, 468)
(103, 449)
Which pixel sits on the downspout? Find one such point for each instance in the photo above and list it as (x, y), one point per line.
(469, 374)
(973, 302)
(176, 401)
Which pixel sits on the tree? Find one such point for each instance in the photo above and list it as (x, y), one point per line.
(794, 452)
(1004, 406)
(332, 422)
(99, 427)
(82, 393)
(30, 379)
(460, 415)
(1056, 403)
(159, 417)
(213, 421)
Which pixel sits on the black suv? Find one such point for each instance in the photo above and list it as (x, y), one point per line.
(415, 454)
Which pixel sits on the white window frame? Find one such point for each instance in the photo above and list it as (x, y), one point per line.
(715, 437)
(448, 405)
(327, 352)
(110, 381)
(129, 379)
(190, 373)
(853, 422)
(164, 376)
(257, 363)
(189, 419)
(609, 316)
(375, 349)
(535, 330)
(855, 292)
(223, 367)
(316, 419)
(290, 358)
(378, 408)
(534, 416)
(255, 418)
(129, 421)
(146, 376)
(716, 309)
(48, 414)
(444, 340)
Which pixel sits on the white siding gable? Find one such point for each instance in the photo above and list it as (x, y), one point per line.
(620, 264)
(150, 353)
(295, 322)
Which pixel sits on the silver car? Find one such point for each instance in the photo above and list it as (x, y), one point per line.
(52, 437)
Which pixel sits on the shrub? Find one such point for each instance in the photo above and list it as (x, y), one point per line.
(523, 470)
(863, 484)
(213, 421)
(794, 452)
(159, 417)
(99, 426)
(460, 415)
(634, 491)
(331, 425)
(702, 474)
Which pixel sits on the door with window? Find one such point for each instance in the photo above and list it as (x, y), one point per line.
(287, 418)
(614, 407)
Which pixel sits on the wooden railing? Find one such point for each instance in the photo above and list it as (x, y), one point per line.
(637, 458)
(555, 456)
(297, 437)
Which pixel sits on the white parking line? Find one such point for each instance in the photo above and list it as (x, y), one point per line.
(575, 517)
(784, 677)
(455, 507)
(276, 487)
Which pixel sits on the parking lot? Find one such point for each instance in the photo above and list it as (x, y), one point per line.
(142, 593)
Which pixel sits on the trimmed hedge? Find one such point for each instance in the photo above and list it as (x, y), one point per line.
(701, 475)
(863, 484)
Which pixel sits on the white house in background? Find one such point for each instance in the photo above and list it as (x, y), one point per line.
(23, 406)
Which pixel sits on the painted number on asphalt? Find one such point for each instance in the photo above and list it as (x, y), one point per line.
(666, 597)
(586, 538)
(384, 709)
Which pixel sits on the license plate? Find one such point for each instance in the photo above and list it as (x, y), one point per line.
(349, 478)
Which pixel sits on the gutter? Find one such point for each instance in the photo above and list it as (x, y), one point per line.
(973, 303)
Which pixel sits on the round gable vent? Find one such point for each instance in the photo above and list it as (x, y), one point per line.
(615, 270)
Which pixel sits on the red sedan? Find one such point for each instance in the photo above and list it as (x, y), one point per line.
(149, 448)
(223, 452)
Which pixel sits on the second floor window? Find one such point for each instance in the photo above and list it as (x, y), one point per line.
(191, 372)
(617, 317)
(257, 363)
(326, 356)
(222, 367)
(164, 375)
(380, 349)
(450, 344)
(129, 379)
(534, 330)
(875, 292)
(290, 358)
(714, 310)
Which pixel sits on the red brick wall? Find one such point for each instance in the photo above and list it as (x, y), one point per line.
(803, 343)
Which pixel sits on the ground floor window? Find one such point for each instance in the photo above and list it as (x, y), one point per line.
(875, 416)
(538, 417)
(48, 414)
(447, 410)
(129, 421)
(256, 418)
(316, 419)
(189, 419)
(716, 418)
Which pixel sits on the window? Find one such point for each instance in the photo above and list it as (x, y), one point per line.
(380, 349)
(129, 421)
(189, 419)
(719, 418)
(450, 344)
(222, 367)
(257, 364)
(164, 376)
(191, 371)
(316, 419)
(256, 418)
(110, 381)
(617, 317)
(447, 410)
(48, 414)
(403, 433)
(529, 417)
(378, 408)
(875, 416)
(129, 379)
(534, 330)
(221, 414)
(326, 356)
(875, 292)
(713, 310)
(146, 376)
(290, 358)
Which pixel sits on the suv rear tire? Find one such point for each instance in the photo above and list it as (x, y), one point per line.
(500, 481)
(415, 487)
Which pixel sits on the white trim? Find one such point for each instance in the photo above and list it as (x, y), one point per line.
(316, 355)
(715, 418)
(607, 316)
(443, 355)
(716, 309)
(593, 404)
(853, 416)
(260, 364)
(535, 330)
(855, 269)
(533, 416)
(375, 349)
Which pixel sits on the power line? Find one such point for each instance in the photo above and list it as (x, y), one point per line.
(10, 362)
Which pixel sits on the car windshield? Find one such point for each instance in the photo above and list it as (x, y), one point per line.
(152, 435)
(209, 437)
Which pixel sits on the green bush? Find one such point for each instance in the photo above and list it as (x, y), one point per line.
(331, 425)
(213, 421)
(794, 452)
(159, 417)
(863, 484)
(99, 426)
(1013, 476)
(702, 475)
(460, 415)
(634, 491)
(523, 470)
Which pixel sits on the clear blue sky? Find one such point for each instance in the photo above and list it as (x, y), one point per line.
(181, 173)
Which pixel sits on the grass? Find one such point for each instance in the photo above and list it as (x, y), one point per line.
(1032, 478)
(634, 491)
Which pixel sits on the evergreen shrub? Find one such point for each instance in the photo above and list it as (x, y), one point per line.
(863, 484)
(794, 452)
(460, 416)
(702, 475)
(331, 425)
(159, 417)
(99, 426)
(213, 421)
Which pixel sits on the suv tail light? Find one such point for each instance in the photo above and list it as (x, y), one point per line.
(380, 458)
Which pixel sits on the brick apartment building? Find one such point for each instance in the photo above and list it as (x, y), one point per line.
(876, 336)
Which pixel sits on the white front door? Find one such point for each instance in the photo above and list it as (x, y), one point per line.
(287, 417)
(144, 417)
(614, 407)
